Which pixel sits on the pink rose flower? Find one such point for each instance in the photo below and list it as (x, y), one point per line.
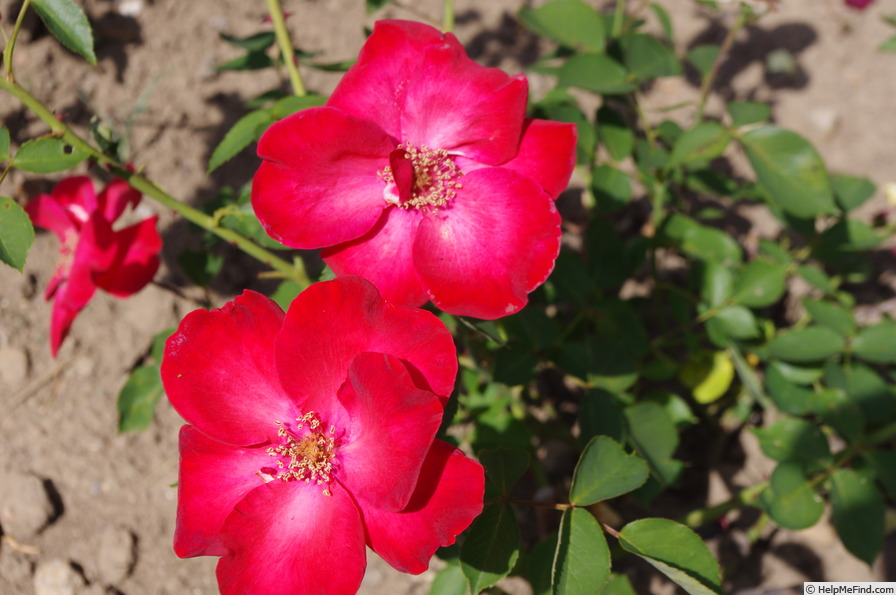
(92, 253)
(423, 175)
(312, 434)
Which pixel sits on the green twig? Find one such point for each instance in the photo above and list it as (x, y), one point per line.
(618, 18)
(286, 49)
(745, 497)
(448, 16)
(7, 51)
(289, 270)
(708, 80)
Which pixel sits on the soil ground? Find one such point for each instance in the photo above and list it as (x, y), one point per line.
(84, 509)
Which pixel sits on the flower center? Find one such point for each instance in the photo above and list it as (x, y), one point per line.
(306, 452)
(420, 177)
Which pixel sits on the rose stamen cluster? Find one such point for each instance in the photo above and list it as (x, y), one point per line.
(309, 455)
(430, 182)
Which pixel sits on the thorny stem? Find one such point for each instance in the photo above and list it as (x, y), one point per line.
(706, 85)
(295, 270)
(7, 51)
(448, 17)
(286, 48)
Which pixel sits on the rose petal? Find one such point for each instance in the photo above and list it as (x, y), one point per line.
(329, 323)
(374, 87)
(288, 538)
(393, 424)
(72, 289)
(547, 154)
(384, 256)
(493, 244)
(448, 497)
(455, 104)
(136, 260)
(213, 478)
(47, 213)
(77, 196)
(116, 197)
(319, 184)
(219, 371)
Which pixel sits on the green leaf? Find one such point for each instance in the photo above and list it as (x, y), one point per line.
(293, 103)
(200, 266)
(790, 169)
(504, 466)
(865, 387)
(595, 72)
(810, 344)
(840, 411)
(708, 375)
(47, 155)
(68, 23)
(570, 23)
(883, 462)
(850, 191)
(491, 548)
(790, 398)
(654, 436)
(702, 57)
(831, 315)
(715, 282)
(159, 341)
(744, 113)
(877, 344)
(700, 241)
(600, 414)
(647, 58)
(619, 584)
(241, 218)
(699, 145)
(737, 322)
(137, 399)
(16, 233)
(248, 61)
(759, 284)
(794, 440)
(816, 277)
(665, 22)
(790, 499)
(612, 188)
(286, 292)
(857, 511)
(254, 43)
(4, 143)
(247, 130)
(889, 45)
(614, 133)
(798, 374)
(538, 567)
(449, 581)
(605, 471)
(582, 560)
(676, 551)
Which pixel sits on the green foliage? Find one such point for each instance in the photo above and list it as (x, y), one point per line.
(582, 560)
(676, 551)
(570, 23)
(16, 234)
(47, 155)
(605, 471)
(143, 389)
(491, 548)
(68, 23)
